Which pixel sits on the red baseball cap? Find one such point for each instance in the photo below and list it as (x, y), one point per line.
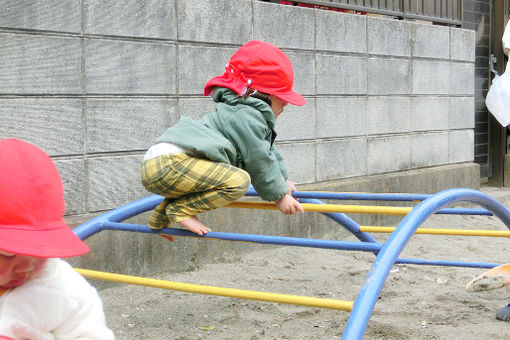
(261, 66)
(32, 204)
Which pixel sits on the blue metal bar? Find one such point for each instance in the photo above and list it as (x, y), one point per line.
(463, 211)
(122, 213)
(252, 238)
(424, 262)
(358, 196)
(344, 221)
(369, 293)
(90, 228)
(148, 203)
(289, 241)
(378, 197)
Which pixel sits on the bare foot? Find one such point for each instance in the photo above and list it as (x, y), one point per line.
(194, 225)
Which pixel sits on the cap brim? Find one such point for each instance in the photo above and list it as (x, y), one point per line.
(57, 241)
(292, 97)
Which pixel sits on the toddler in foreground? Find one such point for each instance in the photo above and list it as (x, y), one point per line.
(41, 296)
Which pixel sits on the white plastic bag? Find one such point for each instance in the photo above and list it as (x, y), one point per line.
(498, 97)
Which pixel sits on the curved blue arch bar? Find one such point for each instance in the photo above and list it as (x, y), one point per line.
(369, 293)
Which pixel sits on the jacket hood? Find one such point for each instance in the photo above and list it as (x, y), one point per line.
(229, 97)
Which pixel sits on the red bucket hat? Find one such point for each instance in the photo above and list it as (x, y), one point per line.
(32, 204)
(261, 66)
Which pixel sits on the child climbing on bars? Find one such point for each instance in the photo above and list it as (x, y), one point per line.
(41, 296)
(203, 165)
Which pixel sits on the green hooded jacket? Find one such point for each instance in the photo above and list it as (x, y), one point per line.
(239, 132)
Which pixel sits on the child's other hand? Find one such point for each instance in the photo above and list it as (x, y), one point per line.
(288, 205)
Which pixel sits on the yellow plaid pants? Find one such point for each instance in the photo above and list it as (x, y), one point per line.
(190, 186)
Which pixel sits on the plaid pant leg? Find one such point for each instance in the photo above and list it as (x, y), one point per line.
(191, 186)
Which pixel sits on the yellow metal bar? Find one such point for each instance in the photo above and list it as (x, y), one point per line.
(219, 291)
(330, 208)
(435, 231)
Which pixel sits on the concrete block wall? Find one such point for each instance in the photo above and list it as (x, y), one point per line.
(94, 82)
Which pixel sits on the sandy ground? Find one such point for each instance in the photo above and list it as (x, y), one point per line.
(417, 302)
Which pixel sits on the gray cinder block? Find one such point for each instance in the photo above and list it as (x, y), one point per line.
(304, 72)
(341, 158)
(429, 149)
(47, 15)
(430, 77)
(122, 67)
(340, 32)
(341, 75)
(284, 26)
(462, 114)
(75, 194)
(341, 116)
(300, 161)
(462, 78)
(462, 144)
(388, 153)
(218, 21)
(195, 108)
(431, 41)
(52, 124)
(39, 65)
(463, 44)
(388, 37)
(114, 181)
(388, 76)
(132, 18)
(126, 124)
(430, 113)
(388, 114)
(297, 122)
(198, 64)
